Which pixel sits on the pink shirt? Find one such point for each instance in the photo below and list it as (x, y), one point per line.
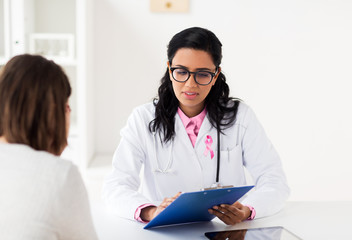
(192, 126)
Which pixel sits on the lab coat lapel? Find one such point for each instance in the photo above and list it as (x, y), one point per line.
(205, 129)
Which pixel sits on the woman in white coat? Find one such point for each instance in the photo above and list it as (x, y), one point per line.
(177, 137)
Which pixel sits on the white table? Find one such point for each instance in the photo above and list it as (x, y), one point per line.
(308, 220)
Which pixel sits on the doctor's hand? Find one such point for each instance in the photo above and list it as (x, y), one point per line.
(148, 213)
(231, 214)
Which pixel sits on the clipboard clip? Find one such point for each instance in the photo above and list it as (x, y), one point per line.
(216, 186)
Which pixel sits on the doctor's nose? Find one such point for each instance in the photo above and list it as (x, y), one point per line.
(191, 82)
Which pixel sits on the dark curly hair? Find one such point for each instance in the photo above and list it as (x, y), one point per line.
(221, 108)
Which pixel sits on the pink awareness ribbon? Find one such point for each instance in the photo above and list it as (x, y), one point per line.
(208, 142)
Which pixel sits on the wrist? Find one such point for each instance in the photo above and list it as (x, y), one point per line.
(247, 214)
(148, 213)
(252, 213)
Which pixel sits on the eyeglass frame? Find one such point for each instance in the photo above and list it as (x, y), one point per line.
(172, 69)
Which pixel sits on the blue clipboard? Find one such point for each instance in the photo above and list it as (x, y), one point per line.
(193, 206)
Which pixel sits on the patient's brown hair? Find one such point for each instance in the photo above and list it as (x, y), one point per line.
(33, 96)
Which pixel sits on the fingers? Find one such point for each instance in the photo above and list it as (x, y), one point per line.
(229, 214)
(167, 201)
(224, 215)
(177, 195)
(164, 204)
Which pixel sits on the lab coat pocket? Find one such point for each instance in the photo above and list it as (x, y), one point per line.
(231, 166)
(235, 154)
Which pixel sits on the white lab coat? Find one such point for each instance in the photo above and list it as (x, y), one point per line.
(177, 166)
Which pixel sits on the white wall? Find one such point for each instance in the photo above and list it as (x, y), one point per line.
(289, 60)
(2, 30)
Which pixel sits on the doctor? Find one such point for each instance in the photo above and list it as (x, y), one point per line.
(194, 136)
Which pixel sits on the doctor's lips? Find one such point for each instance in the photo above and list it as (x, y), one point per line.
(190, 95)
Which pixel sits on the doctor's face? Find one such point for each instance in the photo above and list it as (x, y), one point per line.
(190, 94)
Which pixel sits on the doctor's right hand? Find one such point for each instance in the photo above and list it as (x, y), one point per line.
(148, 213)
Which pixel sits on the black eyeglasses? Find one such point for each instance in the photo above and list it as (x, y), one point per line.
(201, 77)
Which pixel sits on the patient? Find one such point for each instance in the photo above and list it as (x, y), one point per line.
(41, 195)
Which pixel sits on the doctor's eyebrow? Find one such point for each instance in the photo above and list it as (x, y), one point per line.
(197, 69)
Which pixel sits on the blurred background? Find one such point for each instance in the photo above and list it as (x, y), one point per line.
(291, 61)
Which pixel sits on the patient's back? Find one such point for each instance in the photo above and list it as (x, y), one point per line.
(42, 196)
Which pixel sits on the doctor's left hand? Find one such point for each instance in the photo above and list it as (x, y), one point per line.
(151, 212)
(231, 214)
